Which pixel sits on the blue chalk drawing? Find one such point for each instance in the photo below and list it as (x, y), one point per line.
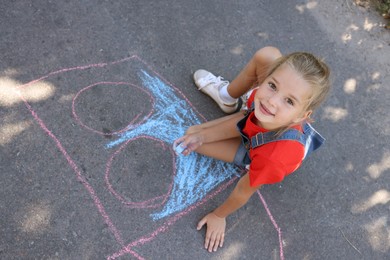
(196, 174)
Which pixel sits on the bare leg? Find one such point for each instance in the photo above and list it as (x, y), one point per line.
(254, 72)
(222, 150)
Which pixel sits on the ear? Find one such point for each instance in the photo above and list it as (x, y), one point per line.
(305, 116)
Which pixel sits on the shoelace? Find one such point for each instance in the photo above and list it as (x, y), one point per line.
(210, 79)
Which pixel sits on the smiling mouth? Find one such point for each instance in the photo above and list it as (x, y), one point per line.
(265, 111)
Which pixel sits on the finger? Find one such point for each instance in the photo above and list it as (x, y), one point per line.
(212, 242)
(179, 140)
(190, 147)
(185, 140)
(216, 244)
(207, 241)
(201, 224)
(187, 151)
(222, 240)
(191, 144)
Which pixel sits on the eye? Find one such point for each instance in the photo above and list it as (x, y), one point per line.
(272, 85)
(290, 101)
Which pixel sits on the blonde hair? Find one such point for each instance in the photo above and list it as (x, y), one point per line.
(313, 70)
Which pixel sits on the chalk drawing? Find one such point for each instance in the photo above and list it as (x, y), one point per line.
(195, 175)
(195, 179)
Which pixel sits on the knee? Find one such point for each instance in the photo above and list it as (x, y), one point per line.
(267, 55)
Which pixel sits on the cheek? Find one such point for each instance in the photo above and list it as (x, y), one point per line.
(260, 93)
(288, 113)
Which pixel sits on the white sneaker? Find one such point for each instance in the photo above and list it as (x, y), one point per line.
(245, 98)
(210, 84)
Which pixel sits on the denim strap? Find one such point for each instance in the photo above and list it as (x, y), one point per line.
(310, 138)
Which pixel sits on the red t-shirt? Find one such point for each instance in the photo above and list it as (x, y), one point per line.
(271, 162)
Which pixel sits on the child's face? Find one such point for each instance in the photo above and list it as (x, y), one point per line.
(281, 99)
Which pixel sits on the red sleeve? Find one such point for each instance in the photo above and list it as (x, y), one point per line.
(266, 172)
(272, 162)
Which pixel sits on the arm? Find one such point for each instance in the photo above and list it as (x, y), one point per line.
(216, 220)
(213, 131)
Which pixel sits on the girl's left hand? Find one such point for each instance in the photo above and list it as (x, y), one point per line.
(215, 233)
(190, 141)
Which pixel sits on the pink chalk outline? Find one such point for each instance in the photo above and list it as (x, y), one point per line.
(126, 248)
(130, 125)
(153, 202)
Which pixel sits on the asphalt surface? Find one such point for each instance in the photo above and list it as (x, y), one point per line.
(70, 79)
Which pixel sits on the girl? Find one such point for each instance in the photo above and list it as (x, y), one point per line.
(288, 89)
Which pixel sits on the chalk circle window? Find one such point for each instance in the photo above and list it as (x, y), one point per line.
(138, 177)
(109, 108)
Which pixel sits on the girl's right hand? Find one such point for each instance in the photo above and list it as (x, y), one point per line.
(190, 141)
(215, 233)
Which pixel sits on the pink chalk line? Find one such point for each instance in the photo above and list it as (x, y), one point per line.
(97, 65)
(274, 223)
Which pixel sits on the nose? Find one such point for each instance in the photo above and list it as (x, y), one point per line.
(273, 100)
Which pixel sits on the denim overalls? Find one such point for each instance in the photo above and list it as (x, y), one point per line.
(310, 139)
